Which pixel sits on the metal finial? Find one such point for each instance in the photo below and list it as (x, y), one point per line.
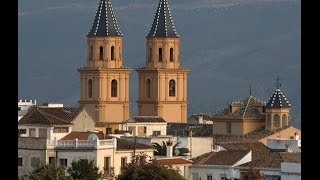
(278, 82)
(250, 90)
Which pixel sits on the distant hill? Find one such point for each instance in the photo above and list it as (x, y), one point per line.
(228, 44)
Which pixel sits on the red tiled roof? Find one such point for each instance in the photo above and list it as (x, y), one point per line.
(259, 150)
(247, 109)
(123, 144)
(291, 157)
(229, 157)
(50, 115)
(146, 119)
(81, 135)
(174, 161)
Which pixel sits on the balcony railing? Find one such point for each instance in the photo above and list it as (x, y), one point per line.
(78, 144)
(108, 172)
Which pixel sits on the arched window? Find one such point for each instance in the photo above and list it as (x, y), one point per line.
(284, 120)
(150, 54)
(148, 88)
(101, 53)
(160, 54)
(171, 54)
(114, 88)
(268, 123)
(90, 53)
(172, 88)
(90, 88)
(276, 120)
(112, 52)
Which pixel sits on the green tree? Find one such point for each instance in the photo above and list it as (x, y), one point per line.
(161, 150)
(49, 172)
(84, 169)
(141, 169)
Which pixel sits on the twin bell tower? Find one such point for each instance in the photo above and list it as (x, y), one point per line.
(104, 81)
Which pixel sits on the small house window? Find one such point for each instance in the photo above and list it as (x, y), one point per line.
(63, 162)
(123, 162)
(20, 161)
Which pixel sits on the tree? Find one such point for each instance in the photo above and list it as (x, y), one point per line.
(84, 169)
(161, 150)
(140, 168)
(49, 172)
(252, 174)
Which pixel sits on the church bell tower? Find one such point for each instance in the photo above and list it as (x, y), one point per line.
(162, 82)
(104, 81)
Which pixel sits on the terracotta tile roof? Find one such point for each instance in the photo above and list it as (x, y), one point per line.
(174, 161)
(253, 136)
(183, 129)
(259, 150)
(145, 119)
(229, 157)
(50, 115)
(271, 160)
(291, 157)
(247, 109)
(123, 144)
(81, 135)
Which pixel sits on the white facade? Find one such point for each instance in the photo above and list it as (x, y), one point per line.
(52, 104)
(290, 171)
(197, 172)
(146, 129)
(25, 104)
(295, 144)
(71, 150)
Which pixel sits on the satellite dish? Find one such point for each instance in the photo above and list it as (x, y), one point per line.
(176, 152)
(92, 137)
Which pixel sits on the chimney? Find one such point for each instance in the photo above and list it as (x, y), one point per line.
(296, 136)
(169, 148)
(288, 148)
(200, 118)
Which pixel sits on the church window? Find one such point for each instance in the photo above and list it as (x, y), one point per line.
(160, 54)
(148, 84)
(150, 54)
(101, 53)
(90, 53)
(112, 52)
(114, 88)
(284, 120)
(268, 120)
(172, 88)
(171, 54)
(276, 120)
(90, 88)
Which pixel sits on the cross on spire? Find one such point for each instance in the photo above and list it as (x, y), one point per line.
(278, 82)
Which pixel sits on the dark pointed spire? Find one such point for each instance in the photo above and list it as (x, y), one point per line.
(278, 100)
(105, 23)
(163, 25)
